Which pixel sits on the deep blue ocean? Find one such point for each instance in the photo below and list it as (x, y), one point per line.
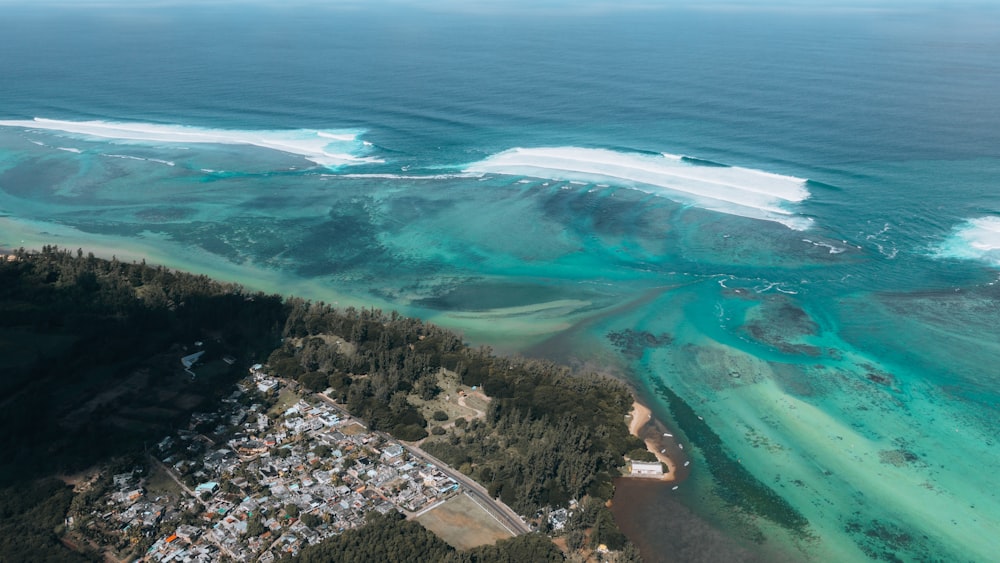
(805, 200)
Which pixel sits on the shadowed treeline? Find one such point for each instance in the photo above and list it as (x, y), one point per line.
(93, 374)
(93, 348)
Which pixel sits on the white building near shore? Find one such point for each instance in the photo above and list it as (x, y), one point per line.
(646, 469)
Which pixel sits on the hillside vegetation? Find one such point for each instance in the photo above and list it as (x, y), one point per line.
(92, 372)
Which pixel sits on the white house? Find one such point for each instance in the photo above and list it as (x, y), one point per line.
(646, 469)
(190, 360)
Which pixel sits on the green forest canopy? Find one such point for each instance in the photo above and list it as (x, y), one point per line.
(94, 373)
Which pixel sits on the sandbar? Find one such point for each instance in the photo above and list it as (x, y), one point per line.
(639, 426)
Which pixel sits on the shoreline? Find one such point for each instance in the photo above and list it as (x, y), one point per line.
(658, 442)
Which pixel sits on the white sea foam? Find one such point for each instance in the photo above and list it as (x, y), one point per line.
(389, 176)
(70, 149)
(124, 156)
(324, 147)
(336, 136)
(833, 249)
(130, 157)
(733, 190)
(975, 239)
(882, 242)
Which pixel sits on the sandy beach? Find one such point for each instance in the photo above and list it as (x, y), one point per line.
(642, 425)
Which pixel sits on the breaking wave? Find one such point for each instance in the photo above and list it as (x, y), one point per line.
(389, 176)
(330, 148)
(130, 157)
(975, 239)
(727, 189)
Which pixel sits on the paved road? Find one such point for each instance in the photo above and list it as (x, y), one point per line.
(510, 519)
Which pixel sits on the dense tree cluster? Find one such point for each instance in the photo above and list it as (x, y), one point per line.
(92, 351)
(531, 463)
(387, 537)
(641, 454)
(92, 372)
(30, 516)
(595, 515)
(531, 547)
(390, 356)
(391, 537)
(550, 435)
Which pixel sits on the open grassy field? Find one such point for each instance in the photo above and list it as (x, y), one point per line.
(160, 484)
(286, 398)
(455, 400)
(353, 429)
(463, 523)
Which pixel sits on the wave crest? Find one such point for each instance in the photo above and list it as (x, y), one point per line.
(330, 148)
(727, 189)
(975, 239)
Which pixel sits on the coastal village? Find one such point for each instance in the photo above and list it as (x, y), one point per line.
(277, 468)
(278, 481)
(186, 453)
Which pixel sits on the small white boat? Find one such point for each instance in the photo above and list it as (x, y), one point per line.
(681, 446)
(663, 450)
(674, 488)
(668, 435)
(687, 463)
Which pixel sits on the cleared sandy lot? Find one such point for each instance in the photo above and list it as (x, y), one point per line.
(463, 524)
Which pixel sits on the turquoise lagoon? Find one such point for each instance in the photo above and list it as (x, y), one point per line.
(809, 229)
